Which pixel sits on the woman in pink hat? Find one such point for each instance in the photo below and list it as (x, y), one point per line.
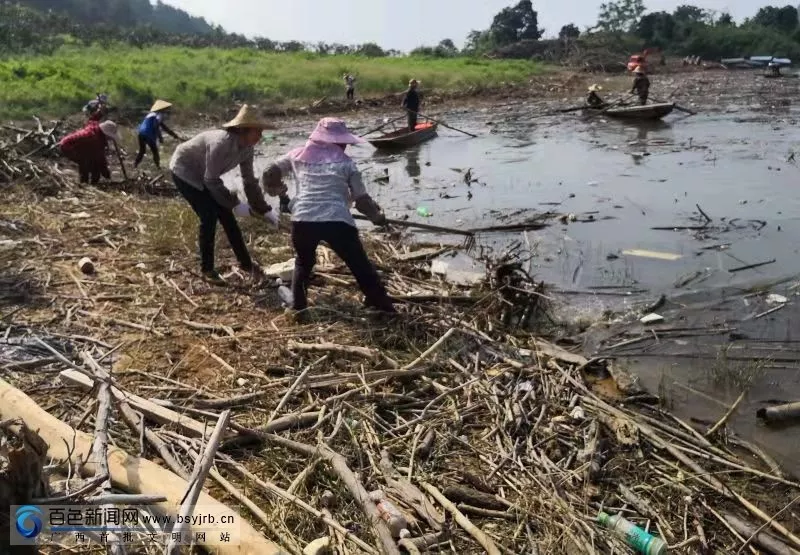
(326, 180)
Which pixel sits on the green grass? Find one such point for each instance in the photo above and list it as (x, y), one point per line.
(212, 78)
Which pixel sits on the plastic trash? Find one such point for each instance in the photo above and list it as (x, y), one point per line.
(652, 319)
(286, 296)
(635, 537)
(391, 515)
(774, 298)
(424, 212)
(779, 413)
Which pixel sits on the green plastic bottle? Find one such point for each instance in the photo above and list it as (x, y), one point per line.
(635, 537)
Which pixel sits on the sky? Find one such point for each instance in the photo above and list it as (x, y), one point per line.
(406, 24)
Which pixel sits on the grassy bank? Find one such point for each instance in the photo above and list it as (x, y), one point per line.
(202, 78)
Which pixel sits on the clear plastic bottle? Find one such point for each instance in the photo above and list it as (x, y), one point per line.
(391, 515)
(635, 537)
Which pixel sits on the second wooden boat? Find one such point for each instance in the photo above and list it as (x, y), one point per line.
(405, 138)
(646, 112)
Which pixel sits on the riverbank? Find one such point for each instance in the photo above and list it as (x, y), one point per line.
(452, 407)
(202, 80)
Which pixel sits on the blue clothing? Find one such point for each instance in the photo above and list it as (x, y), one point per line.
(150, 128)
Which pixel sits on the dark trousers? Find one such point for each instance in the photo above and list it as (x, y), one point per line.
(90, 170)
(412, 120)
(209, 212)
(344, 240)
(643, 98)
(93, 172)
(144, 142)
(350, 93)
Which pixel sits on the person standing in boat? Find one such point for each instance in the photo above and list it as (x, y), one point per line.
(350, 85)
(411, 102)
(150, 132)
(641, 85)
(594, 100)
(327, 182)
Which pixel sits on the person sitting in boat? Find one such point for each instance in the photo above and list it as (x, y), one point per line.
(594, 100)
(326, 180)
(641, 85)
(411, 102)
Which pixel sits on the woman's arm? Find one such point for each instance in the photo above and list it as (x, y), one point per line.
(364, 203)
(255, 197)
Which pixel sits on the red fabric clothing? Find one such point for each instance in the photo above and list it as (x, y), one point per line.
(87, 148)
(87, 145)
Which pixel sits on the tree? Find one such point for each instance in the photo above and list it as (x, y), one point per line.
(656, 29)
(569, 32)
(691, 14)
(479, 42)
(725, 20)
(511, 25)
(783, 19)
(371, 50)
(621, 16)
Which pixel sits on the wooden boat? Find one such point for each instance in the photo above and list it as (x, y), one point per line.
(405, 138)
(646, 112)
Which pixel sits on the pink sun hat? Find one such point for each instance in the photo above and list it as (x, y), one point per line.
(334, 131)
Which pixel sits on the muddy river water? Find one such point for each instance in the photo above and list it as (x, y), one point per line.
(620, 180)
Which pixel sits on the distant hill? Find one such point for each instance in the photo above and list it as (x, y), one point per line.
(126, 14)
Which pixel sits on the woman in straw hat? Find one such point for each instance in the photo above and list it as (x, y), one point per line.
(641, 85)
(326, 180)
(150, 131)
(594, 99)
(87, 148)
(197, 168)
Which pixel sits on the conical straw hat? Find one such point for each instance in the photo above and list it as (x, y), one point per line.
(160, 105)
(248, 118)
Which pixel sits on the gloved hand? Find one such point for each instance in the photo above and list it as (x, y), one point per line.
(242, 210)
(286, 204)
(273, 218)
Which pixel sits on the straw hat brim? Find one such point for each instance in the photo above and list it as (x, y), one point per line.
(247, 123)
(159, 105)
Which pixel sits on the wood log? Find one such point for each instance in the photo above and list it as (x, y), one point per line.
(469, 496)
(128, 473)
(162, 415)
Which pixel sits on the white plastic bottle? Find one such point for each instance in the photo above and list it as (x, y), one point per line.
(391, 515)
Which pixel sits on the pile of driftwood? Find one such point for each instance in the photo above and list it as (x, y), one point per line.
(142, 380)
(21, 156)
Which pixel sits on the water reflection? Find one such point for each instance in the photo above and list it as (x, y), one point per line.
(412, 163)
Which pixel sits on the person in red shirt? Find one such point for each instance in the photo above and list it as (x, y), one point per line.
(87, 148)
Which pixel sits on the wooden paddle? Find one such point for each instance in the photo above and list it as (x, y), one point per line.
(612, 105)
(403, 223)
(442, 124)
(677, 107)
(382, 126)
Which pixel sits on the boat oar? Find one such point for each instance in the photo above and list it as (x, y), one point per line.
(385, 123)
(442, 124)
(612, 105)
(403, 223)
(678, 107)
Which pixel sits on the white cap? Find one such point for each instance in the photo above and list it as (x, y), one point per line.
(109, 129)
